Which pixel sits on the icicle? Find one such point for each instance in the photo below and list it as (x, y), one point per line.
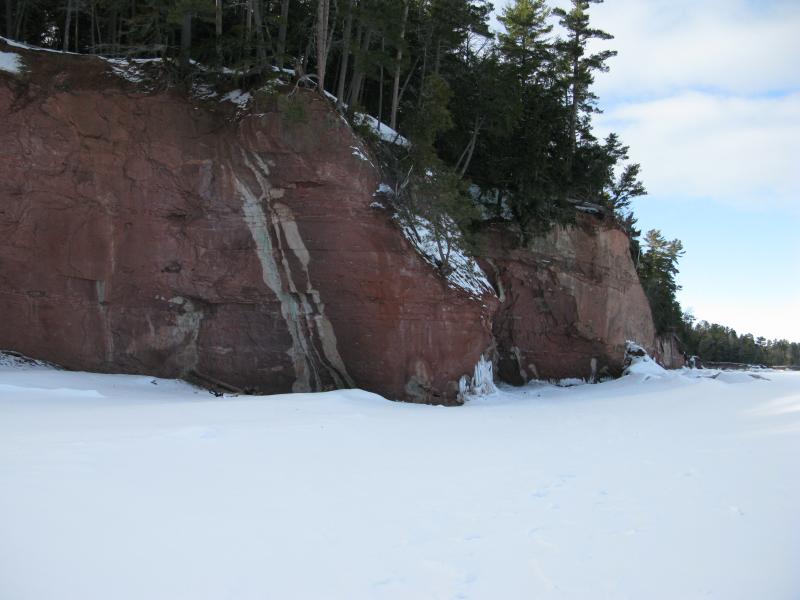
(481, 383)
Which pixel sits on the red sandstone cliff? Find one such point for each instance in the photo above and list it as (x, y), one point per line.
(568, 303)
(146, 233)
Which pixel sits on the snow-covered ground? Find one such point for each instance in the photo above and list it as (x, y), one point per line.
(650, 487)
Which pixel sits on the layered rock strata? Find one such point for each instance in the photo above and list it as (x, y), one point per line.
(569, 302)
(148, 232)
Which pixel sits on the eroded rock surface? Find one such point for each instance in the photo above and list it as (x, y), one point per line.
(568, 304)
(143, 232)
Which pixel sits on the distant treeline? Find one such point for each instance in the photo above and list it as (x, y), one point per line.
(717, 343)
(657, 265)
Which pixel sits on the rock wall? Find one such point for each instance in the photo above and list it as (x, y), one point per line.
(143, 232)
(568, 304)
(669, 352)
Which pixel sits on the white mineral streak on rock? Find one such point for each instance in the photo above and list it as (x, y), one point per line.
(302, 311)
(257, 223)
(188, 326)
(324, 327)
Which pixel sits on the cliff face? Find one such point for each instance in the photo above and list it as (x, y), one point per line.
(568, 304)
(146, 233)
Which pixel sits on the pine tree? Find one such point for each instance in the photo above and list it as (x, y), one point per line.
(523, 44)
(658, 267)
(578, 67)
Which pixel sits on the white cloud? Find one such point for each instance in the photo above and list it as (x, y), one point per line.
(738, 46)
(722, 45)
(733, 149)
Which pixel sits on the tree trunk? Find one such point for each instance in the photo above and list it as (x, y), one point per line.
(284, 23)
(331, 28)
(398, 65)
(471, 146)
(573, 117)
(306, 54)
(380, 85)
(111, 27)
(323, 7)
(67, 23)
(186, 39)
(91, 29)
(348, 29)
(261, 53)
(425, 47)
(218, 28)
(247, 32)
(9, 18)
(356, 59)
(358, 70)
(407, 81)
(18, 19)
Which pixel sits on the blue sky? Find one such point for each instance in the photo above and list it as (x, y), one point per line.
(707, 95)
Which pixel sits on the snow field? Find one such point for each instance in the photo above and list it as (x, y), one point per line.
(653, 486)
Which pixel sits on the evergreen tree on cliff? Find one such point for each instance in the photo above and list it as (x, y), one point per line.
(578, 68)
(658, 267)
(519, 104)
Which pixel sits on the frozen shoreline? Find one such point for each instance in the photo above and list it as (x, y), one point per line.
(644, 487)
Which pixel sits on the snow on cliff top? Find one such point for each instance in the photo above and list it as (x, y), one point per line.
(130, 70)
(379, 128)
(131, 487)
(238, 97)
(382, 130)
(22, 46)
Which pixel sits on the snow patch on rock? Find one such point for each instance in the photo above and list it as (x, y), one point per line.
(203, 91)
(238, 97)
(382, 130)
(15, 360)
(11, 62)
(462, 270)
(640, 363)
(16, 44)
(359, 153)
(130, 69)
